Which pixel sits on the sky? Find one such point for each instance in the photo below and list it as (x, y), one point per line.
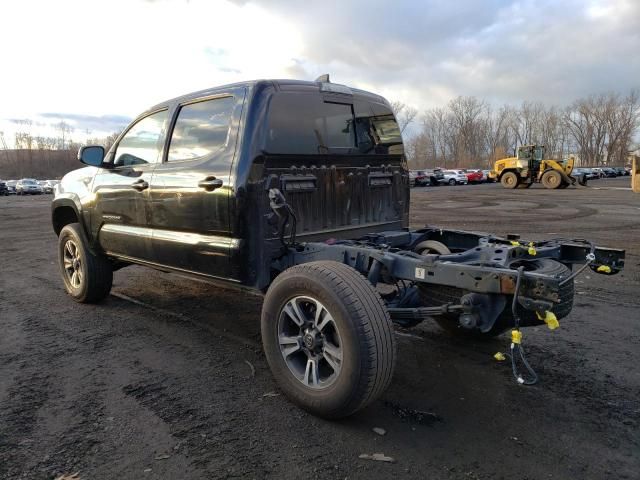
(96, 64)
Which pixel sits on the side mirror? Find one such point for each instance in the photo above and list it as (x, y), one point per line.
(92, 155)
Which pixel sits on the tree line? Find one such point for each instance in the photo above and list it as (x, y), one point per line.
(44, 157)
(469, 132)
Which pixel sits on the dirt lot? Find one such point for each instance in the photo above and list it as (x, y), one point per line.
(156, 382)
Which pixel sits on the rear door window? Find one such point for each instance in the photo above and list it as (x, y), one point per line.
(201, 129)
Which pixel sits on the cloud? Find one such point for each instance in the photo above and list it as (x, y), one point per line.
(96, 59)
(98, 123)
(425, 52)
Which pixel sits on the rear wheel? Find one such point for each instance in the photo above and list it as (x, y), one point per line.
(328, 338)
(87, 277)
(552, 179)
(436, 295)
(509, 180)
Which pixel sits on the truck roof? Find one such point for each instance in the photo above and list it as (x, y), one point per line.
(278, 84)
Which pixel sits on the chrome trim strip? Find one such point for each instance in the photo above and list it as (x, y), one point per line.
(187, 238)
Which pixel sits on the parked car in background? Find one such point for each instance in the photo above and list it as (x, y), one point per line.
(487, 178)
(474, 176)
(3, 189)
(435, 176)
(420, 178)
(416, 178)
(28, 186)
(454, 177)
(11, 186)
(609, 172)
(588, 173)
(598, 171)
(49, 185)
(620, 171)
(423, 178)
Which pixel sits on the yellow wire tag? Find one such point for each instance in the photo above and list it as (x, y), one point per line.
(604, 269)
(550, 319)
(516, 336)
(514, 243)
(532, 249)
(500, 357)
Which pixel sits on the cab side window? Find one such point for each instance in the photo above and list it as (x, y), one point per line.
(143, 142)
(201, 129)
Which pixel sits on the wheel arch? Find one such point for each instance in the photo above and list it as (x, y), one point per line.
(63, 212)
(514, 170)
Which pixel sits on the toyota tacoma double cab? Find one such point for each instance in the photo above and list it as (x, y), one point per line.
(300, 190)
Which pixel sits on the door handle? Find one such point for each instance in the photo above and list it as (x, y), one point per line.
(210, 183)
(140, 185)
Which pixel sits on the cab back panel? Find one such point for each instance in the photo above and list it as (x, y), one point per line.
(339, 197)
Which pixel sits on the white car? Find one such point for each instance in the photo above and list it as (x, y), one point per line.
(49, 185)
(454, 177)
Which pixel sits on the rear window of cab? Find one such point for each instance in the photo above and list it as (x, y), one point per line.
(307, 124)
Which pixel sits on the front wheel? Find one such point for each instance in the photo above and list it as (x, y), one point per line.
(87, 277)
(452, 182)
(509, 180)
(328, 338)
(552, 179)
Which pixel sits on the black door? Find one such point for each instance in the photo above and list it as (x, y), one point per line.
(122, 192)
(190, 191)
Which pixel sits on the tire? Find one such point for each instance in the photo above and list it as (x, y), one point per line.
(552, 179)
(93, 273)
(452, 182)
(435, 295)
(431, 246)
(509, 180)
(359, 327)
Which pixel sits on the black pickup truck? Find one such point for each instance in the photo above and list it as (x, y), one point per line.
(300, 190)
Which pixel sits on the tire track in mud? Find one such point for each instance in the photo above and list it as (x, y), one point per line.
(504, 207)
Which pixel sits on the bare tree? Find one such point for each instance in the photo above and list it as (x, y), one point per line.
(405, 114)
(65, 129)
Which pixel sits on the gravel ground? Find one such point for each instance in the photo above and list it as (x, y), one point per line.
(166, 379)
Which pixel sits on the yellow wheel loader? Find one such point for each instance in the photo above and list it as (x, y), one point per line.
(530, 166)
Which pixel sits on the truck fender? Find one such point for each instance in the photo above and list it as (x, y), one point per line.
(67, 201)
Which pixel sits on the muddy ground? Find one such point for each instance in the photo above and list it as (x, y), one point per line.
(156, 382)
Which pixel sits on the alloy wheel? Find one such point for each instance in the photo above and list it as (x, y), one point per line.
(309, 342)
(72, 263)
